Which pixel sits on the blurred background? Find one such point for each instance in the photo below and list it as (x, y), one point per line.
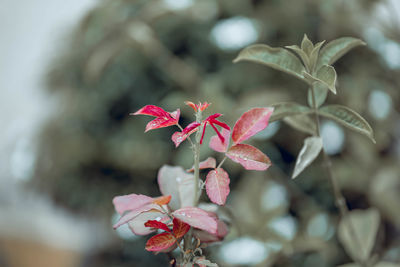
(72, 71)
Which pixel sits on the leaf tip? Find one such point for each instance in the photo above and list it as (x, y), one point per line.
(236, 60)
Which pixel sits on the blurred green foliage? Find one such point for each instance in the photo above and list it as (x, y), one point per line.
(129, 53)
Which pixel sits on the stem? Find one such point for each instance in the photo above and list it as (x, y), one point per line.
(339, 199)
(196, 155)
(222, 162)
(196, 158)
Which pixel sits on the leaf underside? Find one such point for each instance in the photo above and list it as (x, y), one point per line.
(309, 152)
(348, 118)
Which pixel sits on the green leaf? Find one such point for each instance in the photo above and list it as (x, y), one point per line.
(326, 75)
(348, 118)
(387, 264)
(276, 58)
(285, 109)
(364, 225)
(336, 49)
(300, 53)
(321, 93)
(302, 123)
(308, 153)
(314, 54)
(350, 265)
(306, 45)
(379, 264)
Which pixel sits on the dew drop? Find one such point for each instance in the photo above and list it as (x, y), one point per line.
(178, 179)
(183, 214)
(158, 218)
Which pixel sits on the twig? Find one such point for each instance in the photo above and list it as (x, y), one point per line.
(339, 199)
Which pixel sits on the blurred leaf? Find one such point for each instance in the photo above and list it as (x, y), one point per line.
(348, 118)
(336, 49)
(387, 264)
(201, 261)
(365, 224)
(276, 58)
(310, 150)
(302, 123)
(379, 264)
(285, 109)
(326, 75)
(321, 93)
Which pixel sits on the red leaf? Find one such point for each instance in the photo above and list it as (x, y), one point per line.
(217, 145)
(250, 123)
(157, 225)
(203, 106)
(152, 111)
(160, 242)
(197, 218)
(180, 228)
(209, 163)
(213, 117)
(163, 200)
(164, 119)
(249, 157)
(160, 122)
(192, 105)
(217, 186)
(130, 202)
(179, 137)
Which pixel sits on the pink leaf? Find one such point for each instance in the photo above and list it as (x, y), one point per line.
(205, 237)
(197, 218)
(137, 224)
(158, 225)
(249, 157)
(250, 123)
(217, 186)
(217, 145)
(209, 163)
(130, 202)
(152, 111)
(160, 242)
(180, 228)
(134, 213)
(176, 114)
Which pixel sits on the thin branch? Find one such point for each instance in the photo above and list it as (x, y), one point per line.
(339, 199)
